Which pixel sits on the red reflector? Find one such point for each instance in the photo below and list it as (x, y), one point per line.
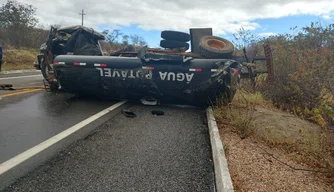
(76, 63)
(196, 70)
(151, 68)
(235, 70)
(56, 63)
(103, 65)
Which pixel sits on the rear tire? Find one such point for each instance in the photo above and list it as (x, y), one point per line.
(215, 47)
(175, 36)
(173, 44)
(44, 69)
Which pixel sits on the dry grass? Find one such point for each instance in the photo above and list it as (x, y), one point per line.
(253, 118)
(242, 123)
(240, 113)
(247, 99)
(18, 59)
(253, 169)
(304, 141)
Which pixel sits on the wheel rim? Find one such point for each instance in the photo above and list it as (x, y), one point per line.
(216, 43)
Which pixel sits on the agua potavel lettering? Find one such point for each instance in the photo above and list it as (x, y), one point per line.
(131, 74)
(146, 74)
(171, 76)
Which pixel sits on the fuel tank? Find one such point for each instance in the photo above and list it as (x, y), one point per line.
(176, 80)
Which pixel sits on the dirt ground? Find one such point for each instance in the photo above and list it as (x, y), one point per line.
(263, 160)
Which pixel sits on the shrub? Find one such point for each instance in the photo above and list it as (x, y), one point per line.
(304, 73)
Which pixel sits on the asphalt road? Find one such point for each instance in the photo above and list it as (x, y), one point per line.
(146, 153)
(30, 118)
(21, 80)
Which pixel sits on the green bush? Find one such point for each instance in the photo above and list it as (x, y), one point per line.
(304, 73)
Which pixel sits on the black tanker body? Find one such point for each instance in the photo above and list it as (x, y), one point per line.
(72, 60)
(177, 80)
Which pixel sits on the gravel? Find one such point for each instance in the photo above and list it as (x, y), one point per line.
(252, 169)
(252, 166)
(147, 153)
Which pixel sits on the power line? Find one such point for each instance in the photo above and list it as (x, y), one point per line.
(82, 16)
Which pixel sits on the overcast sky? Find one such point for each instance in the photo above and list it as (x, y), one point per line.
(148, 17)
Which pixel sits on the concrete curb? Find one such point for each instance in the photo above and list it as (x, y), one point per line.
(222, 175)
(18, 71)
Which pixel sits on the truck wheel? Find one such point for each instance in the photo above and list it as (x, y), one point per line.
(44, 69)
(173, 44)
(175, 36)
(215, 47)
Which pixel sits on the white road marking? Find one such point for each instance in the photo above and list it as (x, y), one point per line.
(18, 77)
(11, 163)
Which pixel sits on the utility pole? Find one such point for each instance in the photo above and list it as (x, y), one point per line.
(82, 16)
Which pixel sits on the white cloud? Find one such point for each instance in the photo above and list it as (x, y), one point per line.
(266, 34)
(222, 16)
(328, 16)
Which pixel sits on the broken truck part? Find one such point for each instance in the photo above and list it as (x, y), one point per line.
(72, 62)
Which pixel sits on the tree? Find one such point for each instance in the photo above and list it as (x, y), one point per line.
(14, 14)
(137, 40)
(17, 22)
(112, 36)
(244, 38)
(125, 40)
(116, 40)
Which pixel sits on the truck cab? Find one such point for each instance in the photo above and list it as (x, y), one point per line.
(70, 40)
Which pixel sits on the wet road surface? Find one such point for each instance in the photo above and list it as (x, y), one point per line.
(21, 81)
(30, 118)
(147, 153)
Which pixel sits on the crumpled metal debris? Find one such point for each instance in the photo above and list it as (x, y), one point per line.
(6, 87)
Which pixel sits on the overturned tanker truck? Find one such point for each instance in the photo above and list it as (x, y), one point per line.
(72, 61)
